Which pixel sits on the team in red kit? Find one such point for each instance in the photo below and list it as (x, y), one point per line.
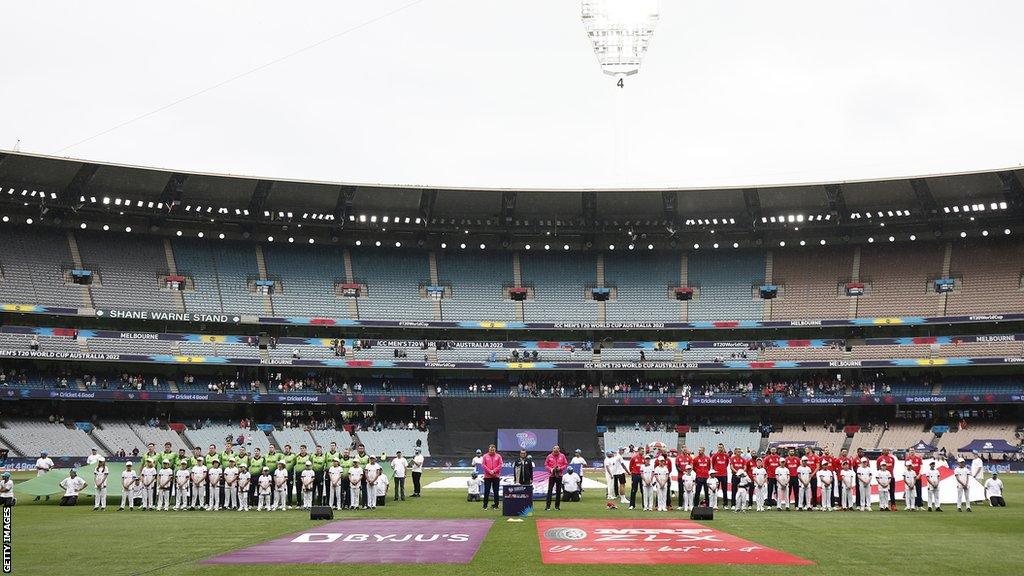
(813, 480)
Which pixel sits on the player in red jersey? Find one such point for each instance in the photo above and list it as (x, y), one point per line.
(771, 462)
(887, 458)
(915, 462)
(791, 462)
(634, 471)
(683, 459)
(702, 467)
(720, 467)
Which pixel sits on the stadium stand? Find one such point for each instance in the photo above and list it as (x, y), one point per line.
(393, 279)
(866, 439)
(811, 282)
(119, 435)
(294, 436)
(643, 281)
(732, 435)
(898, 278)
(33, 264)
(308, 277)
(832, 441)
(129, 269)
(157, 436)
(31, 436)
(390, 441)
(626, 436)
(989, 277)
(956, 438)
(325, 437)
(221, 273)
(902, 435)
(216, 434)
(559, 282)
(725, 286)
(477, 281)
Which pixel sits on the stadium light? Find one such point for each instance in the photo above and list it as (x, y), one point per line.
(715, 245)
(619, 32)
(201, 234)
(271, 239)
(106, 200)
(650, 246)
(527, 246)
(611, 246)
(178, 233)
(696, 246)
(871, 240)
(822, 242)
(444, 245)
(359, 242)
(398, 244)
(1006, 231)
(984, 232)
(963, 234)
(462, 246)
(311, 241)
(547, 247)
(82, 226)
(127, 228)
(631, 246)
(892, 238)
(802, 243)
(377, 243)
(482, 246)
(565, 247)
(782, 243)
(6, 219)
(913, 237)
(106, 227)
(735, 244)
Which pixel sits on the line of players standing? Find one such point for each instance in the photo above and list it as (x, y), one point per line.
(772, 480)
(275, 480)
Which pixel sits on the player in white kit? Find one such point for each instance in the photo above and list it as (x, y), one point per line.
(864, 485)
(148, 475)
(661, 481)
(281, 485)
(962, 474)
(712, 485)
(689, 478)
(611, 468)
(100, 476)
(647, 478)
(884, 477)
(181, 477)
(760, 477)
(164, 480)
(231, 485)
(215, 474)
(244, 479)
(931, 484)
(826, 481)
(782, 479)
(743, 493)
(909, 488)
(803, 486)
(372, 471)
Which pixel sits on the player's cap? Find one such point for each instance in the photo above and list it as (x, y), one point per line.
(689, 466)
(479, 451)
(622, 447)
(166, 461)
(578, 451)
(932, 463)
(44, 452)
(803, 458)
(266, 468)
(994, 473)
(101, 459)
(127, 463)
(182, 462)
(94, 449)
(418, 450)
(961, 460)
(6, 474)
(863, 459)
(337, 459)
(149, 459)
(372, 457)
(243, 465)
(609, 452)
(232, 460)
(307, 463)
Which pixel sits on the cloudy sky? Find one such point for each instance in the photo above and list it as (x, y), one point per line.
(497, 94)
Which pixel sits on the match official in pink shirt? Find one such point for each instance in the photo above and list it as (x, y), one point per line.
(492, 464)
(556, 465)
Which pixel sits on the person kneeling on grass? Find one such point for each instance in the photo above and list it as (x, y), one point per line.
(473, 487)
(571, 485)
(993, 490)
(72, 485)
(7, 498)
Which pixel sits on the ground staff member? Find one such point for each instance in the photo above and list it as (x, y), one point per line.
(491, 463)
(399, 464)
(635, 463)
(993, 490)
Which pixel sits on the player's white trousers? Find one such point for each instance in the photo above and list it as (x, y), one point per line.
(163, 498)
(354, 496)
(961, 496)
(648, 494)
(782, 496)
(230, 497)
(243, 498)
(687, 499)
(742, 498)
(126, 498)
(760, 495)
(147, 496)
(264, 502)
(609, 482)
(181, 497)
(334, 498)
(198, 501)
(281, 497)
(933, 496)
(307, 498)
(909, 496)
(662, 496)
(883, 497)
(101, 498)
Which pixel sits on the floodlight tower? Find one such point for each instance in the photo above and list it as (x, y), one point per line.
(620, 31)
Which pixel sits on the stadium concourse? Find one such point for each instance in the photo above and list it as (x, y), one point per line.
(783, 359)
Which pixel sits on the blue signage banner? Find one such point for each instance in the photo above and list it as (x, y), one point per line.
(529, 439)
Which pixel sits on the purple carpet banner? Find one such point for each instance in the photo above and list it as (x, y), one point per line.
(529, 439)
(369, 542)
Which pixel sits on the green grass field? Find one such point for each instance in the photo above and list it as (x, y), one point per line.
(48, 539)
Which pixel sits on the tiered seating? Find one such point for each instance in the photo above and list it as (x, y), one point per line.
(33, 261)
(220, 271)
(325, 437)
(30, 437)
(902, 435)
(294, 436)
(732, 435)
(805, 353)
(158, 436)
(390, 441)
(126, 346)
(866, 440)
(216, 433)
(899, 278)
(953, 440)
(129, 271)
(46, 343)
(308, 276)
(625, 436)
(982, 386)
(477, 280)
(1009, 349)
(885, 351)
(710, 354)
(633, 355)
(833, 441)
(559, 282)
(810, 279)
(392, 279)
(236, 350)
(117, 435)
(725, 285)
(643, 281)
(990, 278)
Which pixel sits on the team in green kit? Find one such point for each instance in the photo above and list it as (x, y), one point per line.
(233, 479)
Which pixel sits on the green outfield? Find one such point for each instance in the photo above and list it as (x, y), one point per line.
(48, 539)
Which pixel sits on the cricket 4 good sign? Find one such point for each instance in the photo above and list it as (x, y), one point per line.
(369, 542)
(649, 542)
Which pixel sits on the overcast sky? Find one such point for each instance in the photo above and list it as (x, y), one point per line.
(509, 94)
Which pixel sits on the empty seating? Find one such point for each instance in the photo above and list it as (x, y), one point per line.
(117, 435)
(811, 281)
(295, 437)
(220, 271)
(390, 441)
(157, 436)
(30, 437)
(643, 281)
(325, 437)
(898, 279)
(129, 269)
(725, 285)
(393, 279)
(308, 275)
(477, 281)
(33, 263)
(731, 435)
(989, 277)
(559, 283)
(625, 437)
